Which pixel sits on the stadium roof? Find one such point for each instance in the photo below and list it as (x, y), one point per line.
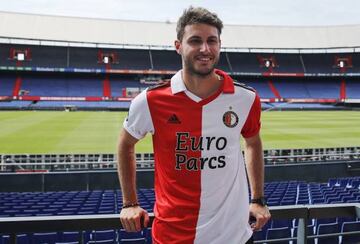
(118, 32)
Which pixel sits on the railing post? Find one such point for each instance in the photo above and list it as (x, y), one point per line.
(302, 231)
(13, 238)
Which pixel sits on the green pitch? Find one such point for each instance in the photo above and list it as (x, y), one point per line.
(97, 132)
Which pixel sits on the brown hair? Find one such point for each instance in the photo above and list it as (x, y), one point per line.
(197, 15)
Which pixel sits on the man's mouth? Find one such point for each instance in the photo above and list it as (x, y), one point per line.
(204, 59)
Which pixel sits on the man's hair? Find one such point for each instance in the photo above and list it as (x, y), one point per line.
(197, 15)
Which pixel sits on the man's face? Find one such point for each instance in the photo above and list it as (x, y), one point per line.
(199, 48)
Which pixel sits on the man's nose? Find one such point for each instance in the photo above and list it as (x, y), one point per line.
(205, 47)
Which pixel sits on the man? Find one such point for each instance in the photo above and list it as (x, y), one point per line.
(196, 121)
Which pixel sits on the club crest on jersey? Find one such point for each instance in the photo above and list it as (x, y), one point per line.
(230, 119)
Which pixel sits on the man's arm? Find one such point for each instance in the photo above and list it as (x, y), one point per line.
(255, 169)
(131, 217)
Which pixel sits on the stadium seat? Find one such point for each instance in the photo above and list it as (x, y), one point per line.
(332, 182)
(49, 237)
(4, 239)
(329, 228)
(278, 233)
(341, 220)
(23, 239)
(259, 235)
(110, 241)
(278, 223)
(324, 221)
(133, 241)
(66, 242)
(104, 235)
(310, 232)
(355, 184)
(349, 227)
(69, 236)
(132, 237)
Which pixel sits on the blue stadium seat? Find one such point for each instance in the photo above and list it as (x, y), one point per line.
(67, 242)
(355, 184)
(49, 237)
(324, 221)
(70, 236)
(104, 235)
(278, 223)
(23, 239)
(278, 233)
(332, 182)
(4, 239)
(132, 237)
(349, 227)
(259, 235)
(110, 241)
(328, 229)
(310, 232)
(341, 220)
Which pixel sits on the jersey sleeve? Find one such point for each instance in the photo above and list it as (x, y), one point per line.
(138, 122)
(253, 124)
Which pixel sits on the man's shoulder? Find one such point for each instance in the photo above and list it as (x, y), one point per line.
(243, 85)
(161, 84)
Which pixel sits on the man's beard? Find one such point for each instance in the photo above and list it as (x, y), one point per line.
(189, 65)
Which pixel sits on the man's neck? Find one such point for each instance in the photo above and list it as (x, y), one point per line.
(202, 86)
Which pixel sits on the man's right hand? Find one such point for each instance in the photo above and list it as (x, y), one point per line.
(132, 217)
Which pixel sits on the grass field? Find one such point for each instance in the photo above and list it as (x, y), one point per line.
(97, 132)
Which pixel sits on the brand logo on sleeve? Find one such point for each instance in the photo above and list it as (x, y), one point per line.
(230, 119)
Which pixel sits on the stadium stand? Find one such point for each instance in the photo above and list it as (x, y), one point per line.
(161, 60)
(22, 204)
(55, 72)
(62, 86)
(261, 87)
(353, 89)
(6, 85)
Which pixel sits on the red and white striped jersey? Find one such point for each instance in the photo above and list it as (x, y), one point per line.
(200, 181)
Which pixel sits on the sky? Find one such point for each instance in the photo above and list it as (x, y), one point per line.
(238, 12)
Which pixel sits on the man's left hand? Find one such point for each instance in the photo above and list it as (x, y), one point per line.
(261, 214)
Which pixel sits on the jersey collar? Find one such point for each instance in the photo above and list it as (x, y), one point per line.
(177, 83)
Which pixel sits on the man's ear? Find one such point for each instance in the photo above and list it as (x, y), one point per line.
(178, 46)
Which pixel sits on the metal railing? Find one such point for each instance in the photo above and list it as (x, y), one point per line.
(62, 162)
(13, 225)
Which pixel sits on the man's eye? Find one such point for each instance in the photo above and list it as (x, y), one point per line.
(195, 41)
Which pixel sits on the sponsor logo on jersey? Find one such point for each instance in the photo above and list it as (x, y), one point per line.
(186, 143)
(230, 119)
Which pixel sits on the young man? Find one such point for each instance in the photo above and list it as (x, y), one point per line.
(196, 121)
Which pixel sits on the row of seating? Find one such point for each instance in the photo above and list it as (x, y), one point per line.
(109, 201)
(94, 87)
(326, 228)
(68, 203)
(104, 105)
(291, 193)
(91, 236)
